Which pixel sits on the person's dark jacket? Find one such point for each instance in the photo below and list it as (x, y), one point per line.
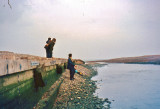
(51, 45)
(46, 47)
(47, 41)
(70, 65)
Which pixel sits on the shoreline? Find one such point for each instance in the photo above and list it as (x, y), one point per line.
(79, 93)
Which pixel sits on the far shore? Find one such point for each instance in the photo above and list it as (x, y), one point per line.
(147, 59)
(106, 63)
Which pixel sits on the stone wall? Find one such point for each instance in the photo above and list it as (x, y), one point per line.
(12, 63)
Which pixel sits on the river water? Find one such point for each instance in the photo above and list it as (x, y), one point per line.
(129, 86)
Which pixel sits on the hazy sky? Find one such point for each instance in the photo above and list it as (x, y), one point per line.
(89, 29)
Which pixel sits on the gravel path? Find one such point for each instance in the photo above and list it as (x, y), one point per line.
(78, 93)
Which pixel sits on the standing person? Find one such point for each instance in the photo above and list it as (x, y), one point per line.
(47, 48)
(70, 66)
(51, 45)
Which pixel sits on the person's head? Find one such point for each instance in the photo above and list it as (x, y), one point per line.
(70, 55)
(54, 39)
(49, 38)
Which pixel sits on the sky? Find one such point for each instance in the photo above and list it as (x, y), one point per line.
(89, 29)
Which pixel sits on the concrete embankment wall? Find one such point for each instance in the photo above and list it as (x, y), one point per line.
(12, 63)
(17, 85)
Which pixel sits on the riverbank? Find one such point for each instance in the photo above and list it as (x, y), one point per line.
(79, 92)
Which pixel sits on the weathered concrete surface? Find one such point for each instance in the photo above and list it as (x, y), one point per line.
(12, 63)
(17, 78)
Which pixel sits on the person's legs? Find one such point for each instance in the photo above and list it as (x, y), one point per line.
(71, 74)
(51, 54)
(47, 54)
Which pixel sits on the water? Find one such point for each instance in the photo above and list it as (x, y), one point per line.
(130, 86)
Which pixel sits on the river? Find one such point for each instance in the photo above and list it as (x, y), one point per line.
(129, 86)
